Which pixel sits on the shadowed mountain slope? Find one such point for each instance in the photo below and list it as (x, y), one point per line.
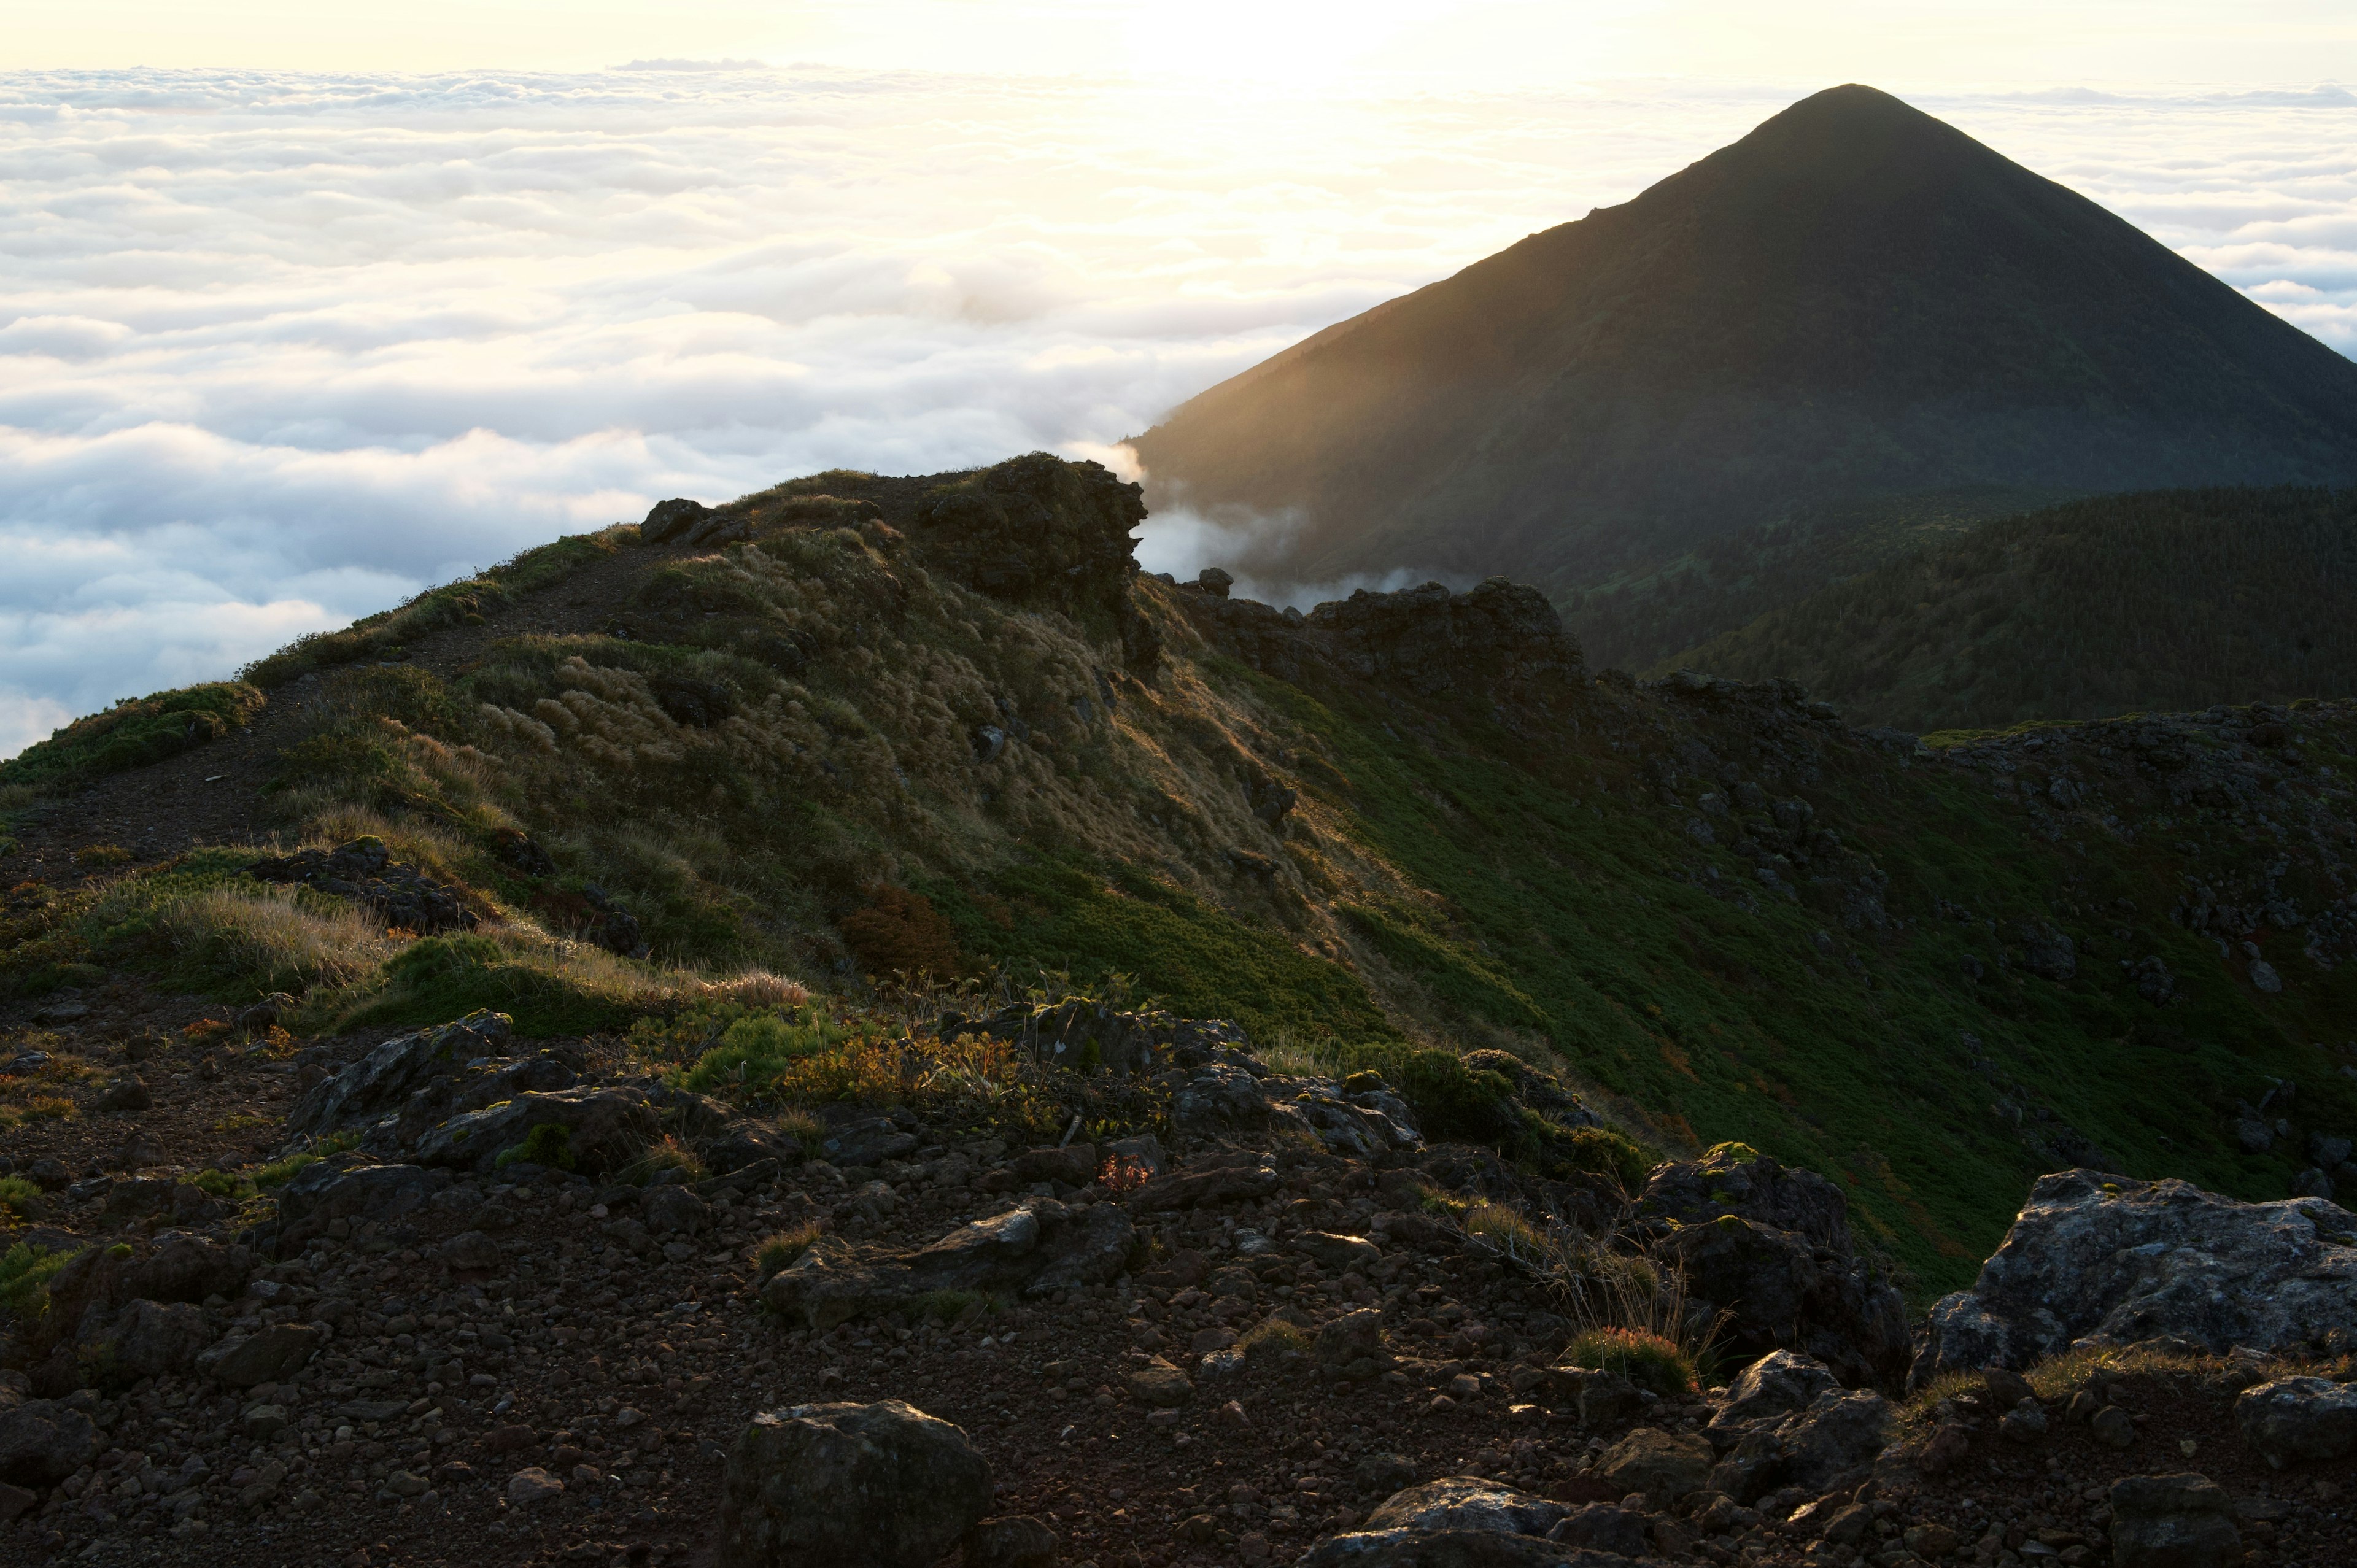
(1856, 300)
(2169, 600)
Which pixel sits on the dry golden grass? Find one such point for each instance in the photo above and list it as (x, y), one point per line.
(284, 942)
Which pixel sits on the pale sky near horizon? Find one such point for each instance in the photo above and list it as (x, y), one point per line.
(304, 307)
(1302, 43)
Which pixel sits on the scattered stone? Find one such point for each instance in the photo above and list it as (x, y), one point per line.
(471, 1249)
(2112, 1427)
(849, 1486)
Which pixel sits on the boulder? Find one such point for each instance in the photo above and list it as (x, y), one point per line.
(674, 1211)
(322, 1194)
(378, 1083)
(849, 1486)
(1663, 1465)
(1018, 1541)
(471, 1249)
(605, 1129)
(532, 1485)
(1337, 1252)
(1450, 1549)
(2173, 1522)
(42, 1442)
(2293, 1419)
(1836, 1439)
(1770, 1245)
(1466, 1502)
(1159, 1383)
(93, 1285)
(1350, 1337)
(1227, 1184)
(272, 1356)
(1038, 1249)
(1769, 1389)
(1604, 1526)
(866, 1141)
(2109, 1260)
(149, 1339)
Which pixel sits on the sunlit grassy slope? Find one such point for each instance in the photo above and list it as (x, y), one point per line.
(775, 752)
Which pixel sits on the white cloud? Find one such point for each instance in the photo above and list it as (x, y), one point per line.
(278, 350)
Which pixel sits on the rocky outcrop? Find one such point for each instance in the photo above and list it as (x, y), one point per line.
(2110, 1261)
(92, 1299)
(849, 1486)
(365, 872)
(1434, 642)
(602, 1130)
(324, 1193)
(1039, 1249)
(1769, 1244)
(1042, 532)
(1458, 1521)
(381, 1082)
(1768, 1390)
(42, 1442)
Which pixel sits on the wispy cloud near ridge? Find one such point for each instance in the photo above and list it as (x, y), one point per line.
(277, 350)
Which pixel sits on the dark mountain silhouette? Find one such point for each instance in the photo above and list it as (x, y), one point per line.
(1854, 302)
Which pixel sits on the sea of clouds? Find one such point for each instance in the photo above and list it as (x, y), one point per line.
(279, 350)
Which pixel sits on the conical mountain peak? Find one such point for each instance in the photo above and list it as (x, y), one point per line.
(1855, 300)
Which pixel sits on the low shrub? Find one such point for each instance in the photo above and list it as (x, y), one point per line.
(665, 1153)
(18, 1195)
(1273, 1337)
(777, 1252)
(550, 1144)
(94, 857)
(901, 933)
(25, 1272)
(1646, 1360)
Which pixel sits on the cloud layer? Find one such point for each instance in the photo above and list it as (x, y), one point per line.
(278, 350)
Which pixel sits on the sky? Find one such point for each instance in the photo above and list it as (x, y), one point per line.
(304, 307)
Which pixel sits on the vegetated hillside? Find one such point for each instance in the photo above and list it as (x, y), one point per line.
(2176, 599)
(855, 726)
(1729, 580)
(1854, 303)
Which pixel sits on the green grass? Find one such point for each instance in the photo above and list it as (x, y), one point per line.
(781, 1249)
(550, 1144)
(24, 1273)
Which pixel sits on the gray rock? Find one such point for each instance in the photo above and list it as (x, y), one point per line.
(471, 1249)
(380, 1081)
(272, 1356)
(849, 1486)
(42, 1442)
(2025, 1423)
(2172, 1521)
(1018, 1541)
(1837, 1437)
(178, 1267)
(674, 1211)
(1769, 1389)
(1037, 1249)
(2047, 951)
(605, 1129)
(1665, 1465)
(1350, 1337)
(1603, 1526)
(1466, 1502)
(2112, 1427)
(2110, 1261)
(868, 1142)
(1159, 1384)
(1450, 1549)
(2292, 1419)
(322, 1194)
(2328, 1151)
(1769, 1244)
(148, 1340)
(1337, 1252)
